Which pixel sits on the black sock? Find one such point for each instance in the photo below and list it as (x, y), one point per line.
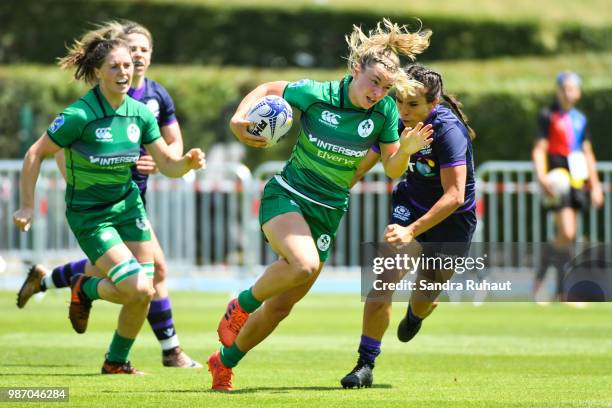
(412, 317)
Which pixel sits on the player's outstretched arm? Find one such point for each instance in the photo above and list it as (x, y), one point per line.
(453, 183)
(238, 123)
(171, 164)
(174, 139)
(42, 148)
(395, 156)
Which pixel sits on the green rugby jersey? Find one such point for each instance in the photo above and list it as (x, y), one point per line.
(101, 144)
(334, 138)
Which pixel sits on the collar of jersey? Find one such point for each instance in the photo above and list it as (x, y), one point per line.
(106, 109)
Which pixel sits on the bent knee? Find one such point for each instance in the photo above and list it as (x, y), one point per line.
(143, 295)
(304, 269)
(138, 293)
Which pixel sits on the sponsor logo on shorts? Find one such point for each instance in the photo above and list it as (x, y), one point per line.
(401, 213)
(153, 106)
(106, 235)
(324, 242)
(330, 119)
(142, 224)
(57, 123)
(133, 133)
(104, 135)
(365, 128)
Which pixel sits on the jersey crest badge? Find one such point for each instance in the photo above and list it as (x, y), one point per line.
(133, 133)
(323, 242)
(401, 213)
(365, 128)
(142, 224)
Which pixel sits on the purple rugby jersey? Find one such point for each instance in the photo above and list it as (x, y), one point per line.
(451, 147)
(160, 103)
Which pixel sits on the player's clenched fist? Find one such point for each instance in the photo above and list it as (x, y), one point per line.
(22, 218)
(395, 234)
(196, 159)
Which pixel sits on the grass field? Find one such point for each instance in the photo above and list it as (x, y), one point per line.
(497, 355)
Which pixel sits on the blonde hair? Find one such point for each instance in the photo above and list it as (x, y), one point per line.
(384, 45)
(90, 51)
(131, 27)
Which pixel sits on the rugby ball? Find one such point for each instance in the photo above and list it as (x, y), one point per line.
(271, 117)
(560, 183)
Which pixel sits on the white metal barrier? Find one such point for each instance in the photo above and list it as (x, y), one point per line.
(211, 220)
(50, 233)
(199, 219)
(509, 206)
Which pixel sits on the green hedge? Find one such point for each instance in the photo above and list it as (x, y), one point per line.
(36, 31)
(505, 122)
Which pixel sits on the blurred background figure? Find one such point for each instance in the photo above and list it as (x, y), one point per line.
(565, 167)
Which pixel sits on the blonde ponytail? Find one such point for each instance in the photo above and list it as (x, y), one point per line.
(385, 45)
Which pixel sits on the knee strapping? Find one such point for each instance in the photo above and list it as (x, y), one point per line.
(124, 270)
(148, 268)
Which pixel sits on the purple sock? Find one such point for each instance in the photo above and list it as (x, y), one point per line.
(160, 319)
(369, 349)
(62, 274)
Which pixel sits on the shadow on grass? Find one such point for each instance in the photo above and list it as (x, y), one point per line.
(40, 365)
(253, 390)
(288, 389)
(50, 374)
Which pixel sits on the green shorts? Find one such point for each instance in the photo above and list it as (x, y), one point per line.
(98, 230)
(323, 221)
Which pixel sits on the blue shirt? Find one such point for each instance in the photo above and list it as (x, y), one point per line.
(451, 147)
(159, 102)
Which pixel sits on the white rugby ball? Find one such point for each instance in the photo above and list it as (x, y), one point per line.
(272, 118)
(560, 183)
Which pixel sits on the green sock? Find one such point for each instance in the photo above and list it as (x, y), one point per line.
(247, 301)
(90, 287)
(119, 349)
(231, 356)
